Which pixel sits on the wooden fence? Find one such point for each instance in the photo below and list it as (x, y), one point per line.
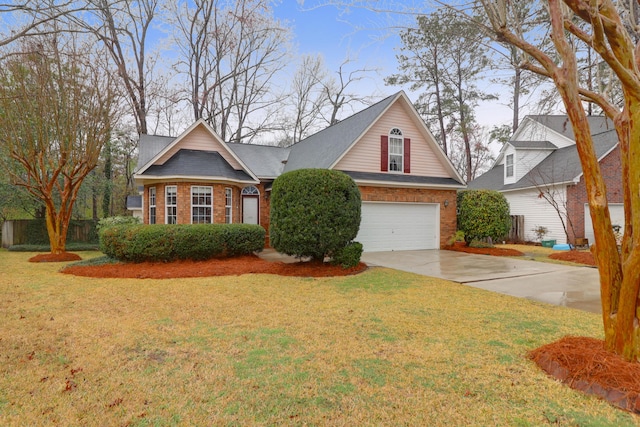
(33, 231)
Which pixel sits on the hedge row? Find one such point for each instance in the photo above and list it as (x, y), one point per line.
(161, 242)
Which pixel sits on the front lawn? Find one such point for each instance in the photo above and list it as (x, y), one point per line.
(379, 348)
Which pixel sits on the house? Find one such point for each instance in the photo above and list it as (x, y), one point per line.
(540, 166)
(408, 185)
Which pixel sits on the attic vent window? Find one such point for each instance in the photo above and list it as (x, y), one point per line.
(509, 165)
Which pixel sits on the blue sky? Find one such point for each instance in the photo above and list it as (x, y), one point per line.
(365, 36)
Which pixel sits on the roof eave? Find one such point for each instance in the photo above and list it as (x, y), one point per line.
(381, 183)
(139, 177)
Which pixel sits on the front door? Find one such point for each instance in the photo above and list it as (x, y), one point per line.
(250, 210)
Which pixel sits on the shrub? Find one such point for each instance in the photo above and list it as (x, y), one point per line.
(314, 212)
(483, 214)
(117, 220)
(163, 242)
(349, 256)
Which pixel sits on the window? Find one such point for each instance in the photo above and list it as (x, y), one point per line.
(201, 205)
(152, 205)
(228, 199)
(396, 145)
(509, 165)
(171, 203)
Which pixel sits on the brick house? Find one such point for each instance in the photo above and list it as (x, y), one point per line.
(408, 184)
(541, 158)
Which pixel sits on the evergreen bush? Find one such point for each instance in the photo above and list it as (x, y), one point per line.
(314, 212)
(483, 214)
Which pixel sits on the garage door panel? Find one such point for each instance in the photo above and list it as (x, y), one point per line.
(616, 211)
(398, 226)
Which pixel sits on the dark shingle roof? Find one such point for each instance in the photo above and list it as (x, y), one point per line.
(134, 202)
(264, 161)
(562, 125)
(403, 179)
(197, 163)
(560, 166)
(322, 149)
(149, 146)
(533, 145)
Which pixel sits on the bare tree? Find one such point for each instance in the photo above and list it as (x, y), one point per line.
(308, 96)
(337, 90)
(231, 52)
(123, 26)
(57, 115)
(607, 27)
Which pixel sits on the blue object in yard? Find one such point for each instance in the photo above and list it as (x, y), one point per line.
(562, 247)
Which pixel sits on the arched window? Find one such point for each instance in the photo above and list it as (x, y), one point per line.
(396, 150)
(250, 191)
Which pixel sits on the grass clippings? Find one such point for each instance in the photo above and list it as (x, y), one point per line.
(378, 348)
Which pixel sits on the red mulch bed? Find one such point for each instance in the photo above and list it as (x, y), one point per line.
(462, 247)
(64, 256)
(584, 364)
(580, 257)
(215, 267)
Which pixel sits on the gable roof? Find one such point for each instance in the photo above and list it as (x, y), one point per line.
(197, 163)
(562, 125)
(158, 146)
(324, 148)
(561, 166)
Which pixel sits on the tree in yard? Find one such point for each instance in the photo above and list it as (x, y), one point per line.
(607, 27)
(446, 56)
(55, 116)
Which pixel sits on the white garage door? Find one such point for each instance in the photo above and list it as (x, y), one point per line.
(616, 210)
(399, 226)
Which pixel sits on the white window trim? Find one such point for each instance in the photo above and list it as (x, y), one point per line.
(210, 206)
(228, 205)
(168, 205)
(513, 166)
(153, 205)
(396, 134)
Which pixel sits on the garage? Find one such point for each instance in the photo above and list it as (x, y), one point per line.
(399, 226)
(616, 210)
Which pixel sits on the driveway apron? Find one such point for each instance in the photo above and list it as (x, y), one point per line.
(576, 287)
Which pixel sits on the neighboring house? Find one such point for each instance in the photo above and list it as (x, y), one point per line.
(408, 185)
(541, 159)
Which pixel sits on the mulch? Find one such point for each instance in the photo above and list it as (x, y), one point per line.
(583, 364)
(580, 257)
(462, 247)
(235, 266)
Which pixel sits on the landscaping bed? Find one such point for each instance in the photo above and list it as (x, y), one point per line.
(580, 257)
(233, 266)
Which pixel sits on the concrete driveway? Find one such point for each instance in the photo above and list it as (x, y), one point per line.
(576, 287)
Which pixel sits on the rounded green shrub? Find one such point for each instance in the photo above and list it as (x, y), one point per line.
(483, 214)
(349, 256)
(314, 212)
(163, 242)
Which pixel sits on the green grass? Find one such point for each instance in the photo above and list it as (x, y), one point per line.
(379, 348)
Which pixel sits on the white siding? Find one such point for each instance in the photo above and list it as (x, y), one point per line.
(537, 212)
(531, 130)
(616, 211)
(528, 159)
(200, 139)
(364, 156)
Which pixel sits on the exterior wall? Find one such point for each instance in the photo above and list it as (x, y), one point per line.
(577, 194)
(525, 160)
(201, 139)
(448, 217)
(184, 202)
(538, 212)
(364, 156)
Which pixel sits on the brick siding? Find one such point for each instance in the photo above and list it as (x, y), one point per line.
(577, 194)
